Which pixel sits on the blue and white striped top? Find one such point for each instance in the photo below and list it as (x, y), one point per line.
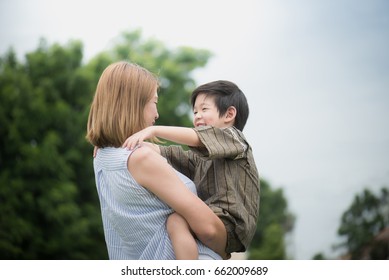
(134, 219)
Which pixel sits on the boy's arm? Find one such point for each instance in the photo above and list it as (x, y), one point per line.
(182, 160)
(180, 135)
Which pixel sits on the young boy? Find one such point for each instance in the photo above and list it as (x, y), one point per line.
(219, 161)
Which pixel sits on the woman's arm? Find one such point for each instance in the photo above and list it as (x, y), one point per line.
(153, 172)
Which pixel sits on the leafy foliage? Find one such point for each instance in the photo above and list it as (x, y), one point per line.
(45, 176)
(274, 223)
(174, 68)
(367, 216)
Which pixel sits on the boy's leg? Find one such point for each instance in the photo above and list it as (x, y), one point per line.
(183, 241)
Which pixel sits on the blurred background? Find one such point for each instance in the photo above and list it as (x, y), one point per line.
(316, 75)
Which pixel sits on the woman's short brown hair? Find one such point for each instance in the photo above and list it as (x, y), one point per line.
(117, 108)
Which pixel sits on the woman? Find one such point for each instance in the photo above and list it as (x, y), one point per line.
(137, 188)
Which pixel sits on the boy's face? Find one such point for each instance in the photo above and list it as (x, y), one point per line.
(206, 113)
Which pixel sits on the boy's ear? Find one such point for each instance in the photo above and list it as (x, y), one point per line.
(230, 114)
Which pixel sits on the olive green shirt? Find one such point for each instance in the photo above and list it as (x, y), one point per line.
(226, 178)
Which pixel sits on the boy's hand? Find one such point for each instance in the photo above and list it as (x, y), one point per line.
(138, 138)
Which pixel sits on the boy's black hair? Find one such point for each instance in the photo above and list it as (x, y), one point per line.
(226, 94)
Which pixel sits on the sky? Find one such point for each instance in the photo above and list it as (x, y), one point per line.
(315, 73)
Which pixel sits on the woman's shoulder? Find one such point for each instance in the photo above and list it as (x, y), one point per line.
(142, 153)
(142, 157)
(110, 158)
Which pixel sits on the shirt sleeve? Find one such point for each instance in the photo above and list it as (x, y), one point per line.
(181, 160)
(221, 143)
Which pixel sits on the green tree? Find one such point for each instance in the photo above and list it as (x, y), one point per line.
(173, 66)
(48, 202)
(273, 224)
(367, 216)
(319, 256)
